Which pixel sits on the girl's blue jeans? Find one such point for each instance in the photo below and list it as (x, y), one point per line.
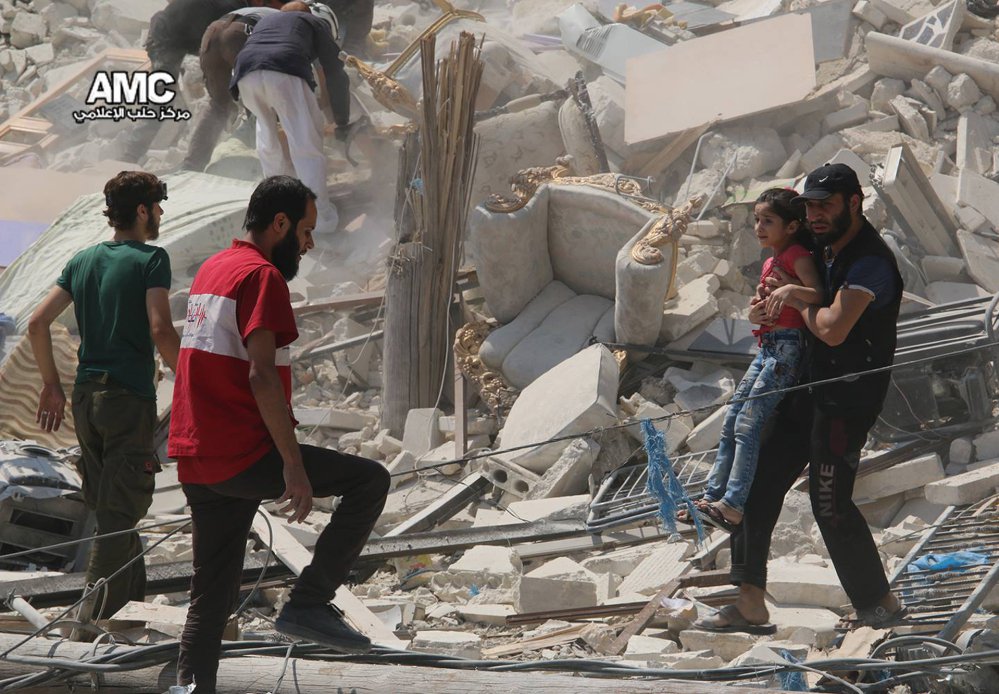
(775, 368)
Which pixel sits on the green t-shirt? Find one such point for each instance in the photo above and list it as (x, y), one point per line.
(108, 283)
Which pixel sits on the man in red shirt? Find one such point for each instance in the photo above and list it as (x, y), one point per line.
(233, 434)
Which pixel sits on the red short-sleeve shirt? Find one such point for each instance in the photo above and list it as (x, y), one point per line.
(789, 317)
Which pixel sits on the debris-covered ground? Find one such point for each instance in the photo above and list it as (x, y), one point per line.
(523, 554)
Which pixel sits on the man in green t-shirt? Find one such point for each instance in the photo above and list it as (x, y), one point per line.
(119, 291)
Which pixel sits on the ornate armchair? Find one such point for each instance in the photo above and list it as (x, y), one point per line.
(581, 257)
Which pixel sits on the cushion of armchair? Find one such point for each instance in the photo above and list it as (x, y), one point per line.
(640, 293)
(565, 331)
(500, 342)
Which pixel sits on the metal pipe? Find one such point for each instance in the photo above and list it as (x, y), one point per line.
(949, 632)
(23, 608)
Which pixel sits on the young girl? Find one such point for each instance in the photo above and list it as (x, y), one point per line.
(779, 226)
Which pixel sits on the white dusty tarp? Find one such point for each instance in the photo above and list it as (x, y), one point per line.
(202, 215)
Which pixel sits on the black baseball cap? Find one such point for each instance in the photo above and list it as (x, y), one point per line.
(829, 179)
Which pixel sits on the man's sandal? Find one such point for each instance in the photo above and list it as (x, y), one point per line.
(876, 617)
(713, 515)
(728, 620)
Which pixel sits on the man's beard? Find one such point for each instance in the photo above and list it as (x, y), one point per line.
(285, 255)
(152, 228)
(840, 226)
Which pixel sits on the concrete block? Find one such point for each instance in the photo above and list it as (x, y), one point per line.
(353, 364)
(694, 304)
(692, 660)
(768, 653)
(27, 29)
(982, 256)
(725, 646)
(974, 190)
(938, 268)
(387, 444)
(987, 446)
(421, 433)
(912, 121)
(974, 143)
(663, 564)
(333, 418)
(474, 426)
(793, 583)
(404, 462)
(492, 615)
(648, 648)
(558, 508)
(962, 92)
(821, 152)
(902, 537)
(126, 17)
(911, 474)
(509, 477)
(575, 396)
(939, 79)
(884, 91)
(560, 583)
(882, 124)
(569, 474)
(922, 509)
(918, 89)
(622, 561)
(695, 266)
(707, 434)
(867, 12)
(700, 386)
(42, 54)
(444, 453)
(704, 228)
(674, 429)
(846, 118)
(463, 644)
(968, 488)
(484, 566)
(971, 220)
(946, 292)
(881, 513)
(813, 626)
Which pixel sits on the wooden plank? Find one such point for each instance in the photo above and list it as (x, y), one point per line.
(260, 673)
(642, 619)
(296, 557)
(536, 643)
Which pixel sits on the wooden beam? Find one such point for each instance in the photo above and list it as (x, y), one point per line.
(260, 673)
(643, 618)
(296, 557)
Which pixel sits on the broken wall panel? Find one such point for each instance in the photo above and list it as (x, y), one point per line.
(890, 56)
(914, 204)
(703, 79)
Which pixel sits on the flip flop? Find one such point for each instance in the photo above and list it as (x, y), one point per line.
(875, 617)
(711, 514)
(682, 516)
(734, 623)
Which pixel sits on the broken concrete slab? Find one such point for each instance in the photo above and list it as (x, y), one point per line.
(611, 46)
(912, 474)
(881, 513)
(421, 433)
(974, 143)
(793, 583)
(575, 396)
(869, 13)
(715, 79)
(661, 566)
(725, 646)
(987, 446)
(894, 57)
(962, 93)
(558, 584)
(910, 118)
(649, 648)
(569, 474)
(980, 193)
(946, 292)
(694, 304)
(462, 644)
(966, 488)
(707, 434)
(484, 613)
(814, 626)
(914, 204)
(938, 28)
(971, 220)
(982, 257)
(27, 29)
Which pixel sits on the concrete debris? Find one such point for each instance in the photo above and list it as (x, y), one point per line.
(902, 91)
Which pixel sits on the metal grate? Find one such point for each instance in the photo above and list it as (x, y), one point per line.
(949, 598)
(623, 497)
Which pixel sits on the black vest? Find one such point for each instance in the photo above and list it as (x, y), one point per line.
(869, 345)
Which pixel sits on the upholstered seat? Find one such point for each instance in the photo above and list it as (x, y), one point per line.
(560, 271)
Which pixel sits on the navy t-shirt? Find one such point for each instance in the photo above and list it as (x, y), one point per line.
(871, 274)
(289, 42)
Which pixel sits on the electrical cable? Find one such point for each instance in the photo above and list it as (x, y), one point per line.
(681, 413)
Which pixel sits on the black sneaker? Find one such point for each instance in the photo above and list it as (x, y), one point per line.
(323, 625)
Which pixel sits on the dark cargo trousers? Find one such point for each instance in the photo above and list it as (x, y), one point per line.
(222, 515)
(801, 434)
(115, 427)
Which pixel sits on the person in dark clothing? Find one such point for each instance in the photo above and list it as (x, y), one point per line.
(174, 32)
(273, 78)
(223, 40)
(827, 426)
(355, 18)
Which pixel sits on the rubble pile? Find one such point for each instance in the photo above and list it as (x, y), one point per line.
(902, 91)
